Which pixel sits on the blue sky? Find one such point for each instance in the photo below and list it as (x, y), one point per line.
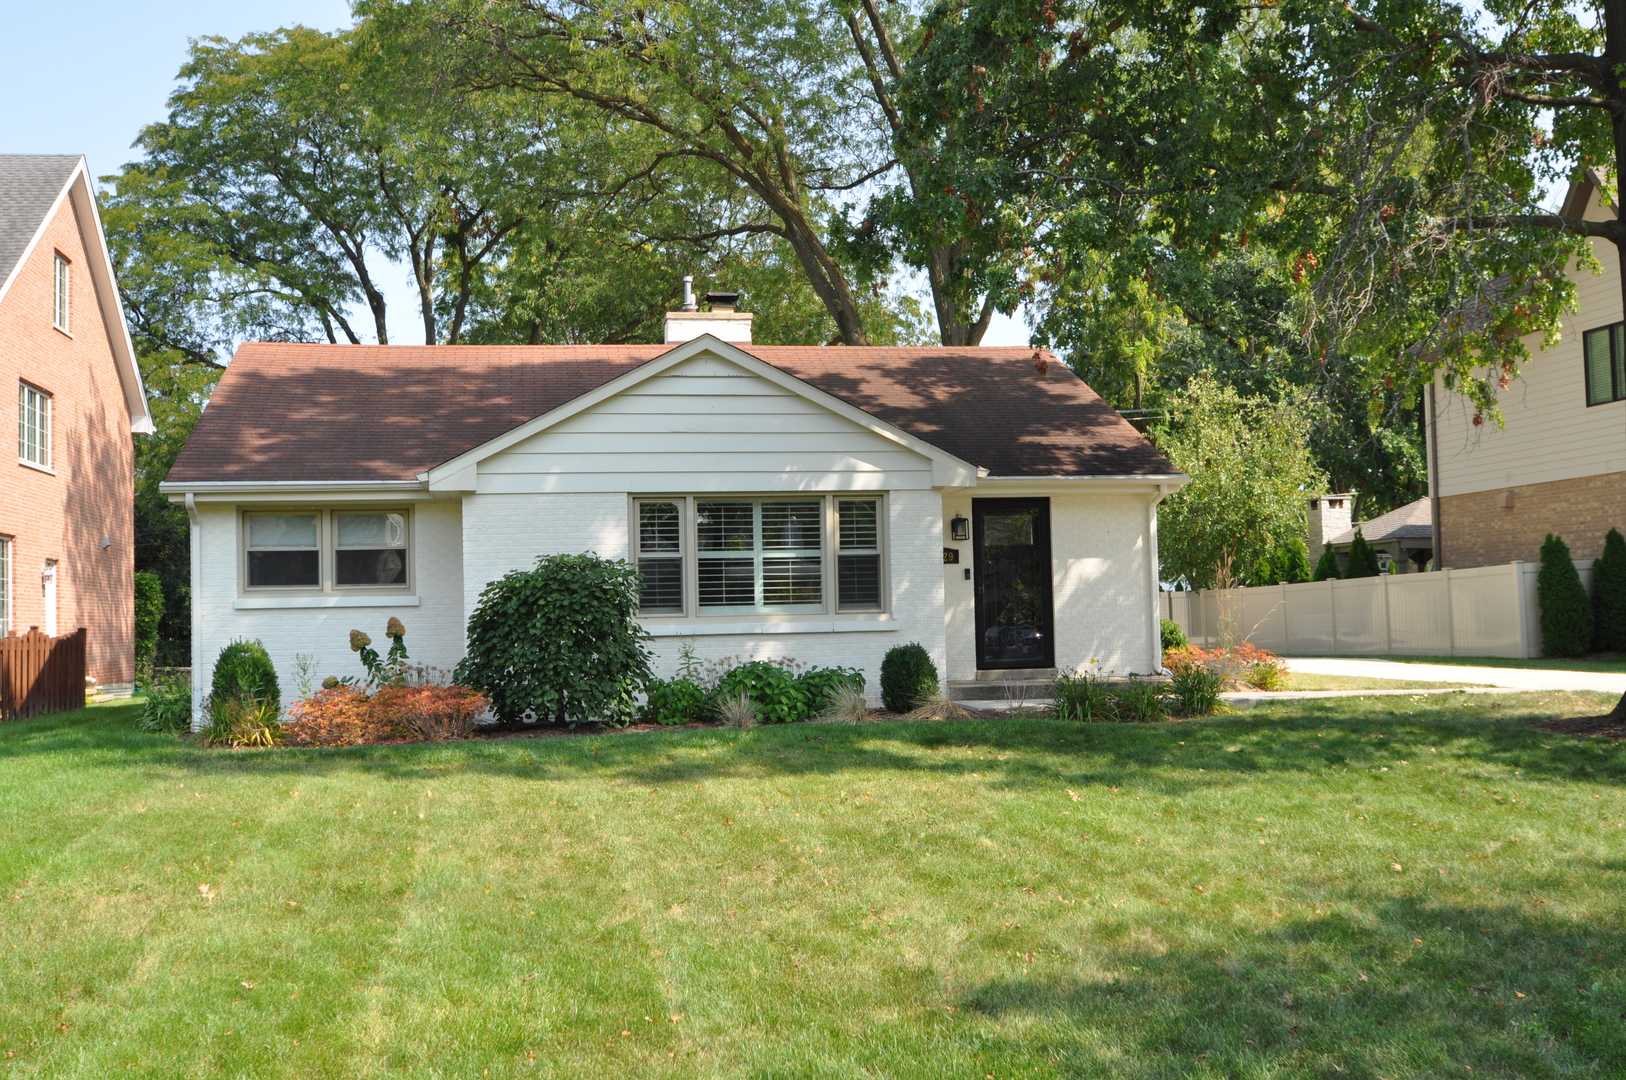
(85, 79)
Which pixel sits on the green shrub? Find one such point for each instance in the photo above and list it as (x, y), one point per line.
(244, 672)
(777, 694)
(1289, 563)
(1363, 559)
(1085, 697)
(1326, 567)
(908, 677)
(149, 612)
(168, 709)
(1609, 595)
(1566, 613)
(1139, 702)
(559, 642)
(1173, 636)
(244, 722)
(1196, 689)
(820, 685)
(674, 701)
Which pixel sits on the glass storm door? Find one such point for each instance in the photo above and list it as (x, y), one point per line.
(1011, 548)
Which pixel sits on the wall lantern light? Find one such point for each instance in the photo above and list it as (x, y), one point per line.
(960, 528)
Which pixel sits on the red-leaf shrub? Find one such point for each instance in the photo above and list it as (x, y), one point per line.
(1241, 665)
(434, 713)
(336, 716)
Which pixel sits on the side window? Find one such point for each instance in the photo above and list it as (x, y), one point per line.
(858, 557)
(5, 586)
(283, 551)
(660, 557)
(1604, 356)
(33, 425)
(62, 283)
(371, 549)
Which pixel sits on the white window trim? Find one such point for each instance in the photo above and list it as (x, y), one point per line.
(326, 562)
(62, 294)
(827, 617)
(47, 428)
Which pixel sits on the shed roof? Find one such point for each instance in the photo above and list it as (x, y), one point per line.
(1414, 521)
(322, 413)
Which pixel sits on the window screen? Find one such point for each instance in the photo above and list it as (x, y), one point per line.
(660, 557)
(283, 551)
(858, 560)
(1604, 357)
(371, 549)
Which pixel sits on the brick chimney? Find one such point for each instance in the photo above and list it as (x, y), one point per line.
(720, 320)
(1329, 516)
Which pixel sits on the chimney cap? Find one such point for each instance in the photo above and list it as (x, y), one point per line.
(723, 301)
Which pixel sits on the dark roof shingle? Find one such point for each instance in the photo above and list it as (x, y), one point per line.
(376, 413)
(29, 184)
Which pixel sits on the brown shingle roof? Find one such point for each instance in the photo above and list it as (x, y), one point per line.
(370, 413)
(1414, 521)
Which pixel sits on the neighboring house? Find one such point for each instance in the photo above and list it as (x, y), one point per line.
(1559, 463)
(823, 504)
(67, 528)
(1404, 537)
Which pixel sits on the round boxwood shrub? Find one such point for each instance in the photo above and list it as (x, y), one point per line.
(244, 672)
(1173, 636)
(1609, 595)
(559, 642)
(1566, 613)
(908, 677)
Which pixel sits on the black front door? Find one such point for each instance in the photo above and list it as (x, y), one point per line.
(1011, 547)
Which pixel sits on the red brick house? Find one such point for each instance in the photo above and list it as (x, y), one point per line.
(69, 369)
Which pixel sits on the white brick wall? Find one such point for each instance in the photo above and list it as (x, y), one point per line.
(434, 626)
(508, 532)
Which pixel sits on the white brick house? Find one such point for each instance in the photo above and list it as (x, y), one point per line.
(817, 503)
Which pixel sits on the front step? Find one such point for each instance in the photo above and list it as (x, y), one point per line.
(1032, 674)
(1013, 690)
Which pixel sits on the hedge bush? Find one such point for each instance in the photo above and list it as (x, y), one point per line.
(778, 695)
(149, 612)
(820, 686)
(675, 701)
(559, 642)
(1326, 567)
(1363, 559)
(1566, 613)
(1609, 595)
(908, 677)
(244, 672)
(1173, 636)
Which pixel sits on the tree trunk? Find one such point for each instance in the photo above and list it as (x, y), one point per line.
(1618, 713)
(1614, 54)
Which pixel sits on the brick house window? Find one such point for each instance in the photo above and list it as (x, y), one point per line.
(61, 282)
(1604, 351)
(702, 555)
(33, 425)
(5, 585)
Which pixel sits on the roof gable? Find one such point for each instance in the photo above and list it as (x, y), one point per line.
(31, 188)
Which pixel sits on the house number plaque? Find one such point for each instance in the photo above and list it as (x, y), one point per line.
(951, 555)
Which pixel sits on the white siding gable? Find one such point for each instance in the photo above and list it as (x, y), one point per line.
(704, 425)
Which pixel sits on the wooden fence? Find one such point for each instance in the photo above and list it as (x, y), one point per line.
(41, 674)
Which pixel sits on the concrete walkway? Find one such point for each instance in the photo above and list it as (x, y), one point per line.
(1511, 678)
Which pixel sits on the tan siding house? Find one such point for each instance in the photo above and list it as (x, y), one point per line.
(1559, 462)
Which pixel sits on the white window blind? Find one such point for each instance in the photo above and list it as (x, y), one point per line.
(33, 425)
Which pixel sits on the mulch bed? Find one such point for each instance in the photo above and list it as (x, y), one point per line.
(1594, 727)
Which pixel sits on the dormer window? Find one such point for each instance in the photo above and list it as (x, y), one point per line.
(61, 285)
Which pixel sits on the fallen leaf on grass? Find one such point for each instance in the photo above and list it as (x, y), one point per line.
(1075, 796)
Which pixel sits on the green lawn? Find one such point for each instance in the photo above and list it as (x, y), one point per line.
(1301, 680)
(1572, 663)
(1367, 888)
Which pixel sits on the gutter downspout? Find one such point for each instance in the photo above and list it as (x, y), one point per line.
(1152, 573)
(195, 538)
(1433, 448)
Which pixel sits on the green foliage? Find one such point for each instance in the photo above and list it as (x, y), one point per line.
(1139, 702)
(149, 613)
(1609, 595)
(1250, 466)
(390, 670)
(168, 708)
(244, 672)
(1173, 636)
(908, 677)
(1196, 689)
(559, 642)
(1363, 558)
(820, 685)
(1084, 697)
(778, 695)
(1566, 613)
(674, 701)
(245, 722)
(1326, 567)
(1289, 564)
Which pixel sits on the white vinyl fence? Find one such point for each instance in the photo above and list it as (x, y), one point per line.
(1485, 611)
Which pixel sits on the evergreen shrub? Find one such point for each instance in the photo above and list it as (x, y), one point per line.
(1609, 595)
(149, 612)
(1173, 636)
(559, 642)
(908, 677)
(1566, 613)
(244, 672)
(1363, 559)
(1326, 567)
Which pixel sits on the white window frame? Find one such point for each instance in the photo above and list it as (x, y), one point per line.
(689, 554)
(34, 440)
(327, 546)
(7, 557)
(62, 293)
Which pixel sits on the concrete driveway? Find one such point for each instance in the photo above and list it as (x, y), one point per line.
(1513, 678)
